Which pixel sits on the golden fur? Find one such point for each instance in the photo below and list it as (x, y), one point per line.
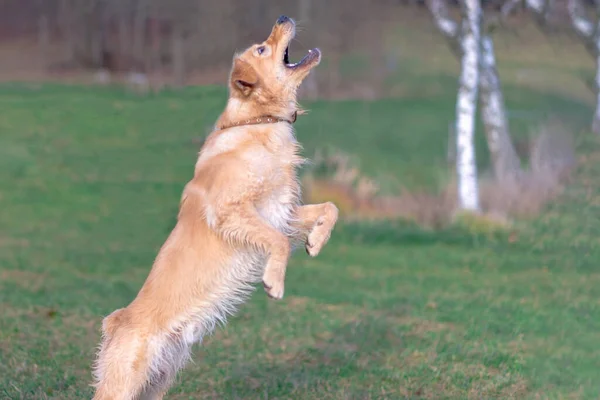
(238, 218)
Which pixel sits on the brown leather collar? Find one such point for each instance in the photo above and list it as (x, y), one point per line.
(264, 119)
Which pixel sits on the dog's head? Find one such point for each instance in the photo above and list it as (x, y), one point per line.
(263, 73)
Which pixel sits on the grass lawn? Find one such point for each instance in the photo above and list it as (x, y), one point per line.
(90, 181)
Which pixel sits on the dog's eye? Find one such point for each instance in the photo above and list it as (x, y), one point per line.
(260, 50)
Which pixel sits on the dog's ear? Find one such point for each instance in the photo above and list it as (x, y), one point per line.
(243, 77)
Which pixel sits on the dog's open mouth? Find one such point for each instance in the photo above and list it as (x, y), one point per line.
(312, 55)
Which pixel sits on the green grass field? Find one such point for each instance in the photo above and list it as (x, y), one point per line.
(90, 181)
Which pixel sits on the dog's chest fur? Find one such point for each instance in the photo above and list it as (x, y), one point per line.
(282, 193)
(271, 159)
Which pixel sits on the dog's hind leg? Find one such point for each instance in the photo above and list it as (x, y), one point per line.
(121, 369)
(170, 355)
(154, 391)
(160, 382)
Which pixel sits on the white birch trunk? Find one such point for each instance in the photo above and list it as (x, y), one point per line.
(590, 34)
(446, 25)
(582, 26)
(541, 9)
(505, 160)
(466, 106)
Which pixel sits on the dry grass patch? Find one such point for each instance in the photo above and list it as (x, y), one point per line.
(336, 177)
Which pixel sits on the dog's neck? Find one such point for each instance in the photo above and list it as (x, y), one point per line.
(238, 114)
(263, 119)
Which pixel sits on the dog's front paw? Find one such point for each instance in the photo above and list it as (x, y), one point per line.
(321, 232)
(316, 240)
(274, 286)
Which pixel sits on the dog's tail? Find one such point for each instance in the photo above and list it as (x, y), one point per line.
(120, 370)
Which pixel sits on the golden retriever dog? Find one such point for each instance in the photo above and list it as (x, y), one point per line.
(238, 219)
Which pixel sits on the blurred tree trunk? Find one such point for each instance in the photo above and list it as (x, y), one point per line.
(124, 37)
(66, 24)
(589, 32)
(505, 161)
(309, 88)
(98, 17)
(153, 59)
(139, 31)
(178, 56)
(466, 105)
(43, 37)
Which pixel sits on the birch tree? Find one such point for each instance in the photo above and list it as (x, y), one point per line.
(589, 31)
(540, 9)
(505, 161)
(466, 105)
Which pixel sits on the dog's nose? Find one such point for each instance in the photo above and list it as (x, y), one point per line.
(282, 20)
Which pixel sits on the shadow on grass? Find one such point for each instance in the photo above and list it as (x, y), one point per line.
(342, 363)
(380, 356)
